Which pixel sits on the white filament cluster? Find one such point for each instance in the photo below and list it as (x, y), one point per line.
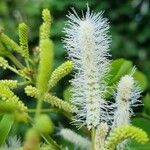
(87, 43)
(127, 96)
(100, 136)
(13, 144)
(74, 138)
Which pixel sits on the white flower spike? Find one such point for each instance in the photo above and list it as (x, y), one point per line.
(12, 144)
(127, 95)
(74, 138)
(87, 43)
(100, 136)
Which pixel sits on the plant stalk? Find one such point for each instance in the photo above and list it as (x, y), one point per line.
(15, 61)
(38, 107)
(93, 138)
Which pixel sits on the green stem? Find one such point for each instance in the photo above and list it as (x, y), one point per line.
(17, 72)
(15, 61)
(51, 142)
(24, 83)
(13, 70)
(93, 138)
(145, 116)
(38, 108)
(27, 63)
(42, 110)
(47, 138)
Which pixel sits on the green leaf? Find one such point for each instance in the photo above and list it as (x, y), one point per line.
(144, 124)
(141, 78)
(146, 102)
(5, 127)
(119, 67)
(136, 146)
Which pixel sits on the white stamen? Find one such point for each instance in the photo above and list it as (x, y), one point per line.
(74, 138)
(87, 43)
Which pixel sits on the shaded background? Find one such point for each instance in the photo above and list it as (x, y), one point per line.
(129, 21)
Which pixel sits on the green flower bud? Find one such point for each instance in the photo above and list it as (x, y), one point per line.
(45, 27)
(44, 124)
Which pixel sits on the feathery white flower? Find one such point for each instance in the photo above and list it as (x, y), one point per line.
(74, 138)
(13, 144)
(87, 42)
(128, 94)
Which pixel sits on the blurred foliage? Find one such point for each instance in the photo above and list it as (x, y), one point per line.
(144, 124)
(129, 22)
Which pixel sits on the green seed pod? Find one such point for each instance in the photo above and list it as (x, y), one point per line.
(9, 83)
(46, 26)
(9, 42)
(45, 66)
(60, 72)
(53, 100)
(44, 124)
(23, 37)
